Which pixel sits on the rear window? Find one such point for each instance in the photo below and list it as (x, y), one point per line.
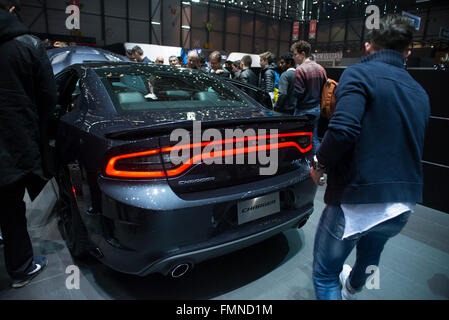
(145, 88)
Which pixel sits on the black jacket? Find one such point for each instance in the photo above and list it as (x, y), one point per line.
(248, 76)
(267, 77)
(224, 74)
(27, 98)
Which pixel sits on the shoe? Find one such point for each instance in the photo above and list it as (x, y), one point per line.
(39, 264)
(344, 274)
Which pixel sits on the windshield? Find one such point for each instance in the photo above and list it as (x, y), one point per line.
(145, 88)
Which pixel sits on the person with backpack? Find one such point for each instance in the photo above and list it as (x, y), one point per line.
(309, 80)
(371, 152)
(268, 76)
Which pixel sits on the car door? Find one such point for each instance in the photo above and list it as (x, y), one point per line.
(254, 92)
(67, 86)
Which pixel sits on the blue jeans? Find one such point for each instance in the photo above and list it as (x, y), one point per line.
(330, 251)
(315, 111)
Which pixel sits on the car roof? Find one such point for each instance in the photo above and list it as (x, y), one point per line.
(79, 67)
(78, 50)
(63, 57)
(100, 64)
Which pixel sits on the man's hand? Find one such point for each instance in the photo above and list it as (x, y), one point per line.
(317, 176)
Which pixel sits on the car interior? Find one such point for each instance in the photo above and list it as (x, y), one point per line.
(135, 93)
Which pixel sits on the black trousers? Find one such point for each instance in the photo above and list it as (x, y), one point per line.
(17, 244)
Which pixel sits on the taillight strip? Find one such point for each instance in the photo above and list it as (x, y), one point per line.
(203, 144)
(230, 152)
(111, 171)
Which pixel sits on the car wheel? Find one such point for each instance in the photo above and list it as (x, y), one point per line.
(70, 224)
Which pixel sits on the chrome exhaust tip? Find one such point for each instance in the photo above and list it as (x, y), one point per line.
(179, 270)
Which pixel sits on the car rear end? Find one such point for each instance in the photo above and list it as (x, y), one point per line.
(169, 202)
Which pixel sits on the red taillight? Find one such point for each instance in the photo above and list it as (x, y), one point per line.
(113, 167)
(147, 164)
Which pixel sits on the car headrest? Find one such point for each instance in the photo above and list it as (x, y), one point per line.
(130, 97)
(206, 96)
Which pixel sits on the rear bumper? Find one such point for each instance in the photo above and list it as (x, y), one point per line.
(194, 257)
(142, 264)
(141, 240)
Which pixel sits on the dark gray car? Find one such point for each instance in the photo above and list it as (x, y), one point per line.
(122, 197)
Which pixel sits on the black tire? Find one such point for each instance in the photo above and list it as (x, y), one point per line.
(70, 225)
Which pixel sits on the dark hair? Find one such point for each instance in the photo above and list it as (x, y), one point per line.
(247, 61)
(395, 32)
(138, 50)
(300, 46)
(236, 63)
(288, 57)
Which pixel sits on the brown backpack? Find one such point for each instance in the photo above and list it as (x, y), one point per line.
(328, 100)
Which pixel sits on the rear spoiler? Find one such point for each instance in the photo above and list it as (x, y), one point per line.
(167, 127)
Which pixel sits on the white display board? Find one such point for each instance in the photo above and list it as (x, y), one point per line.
(152, 51)
(233, 56)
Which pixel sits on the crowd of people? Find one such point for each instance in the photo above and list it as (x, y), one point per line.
(276, 79)
(371, 151)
